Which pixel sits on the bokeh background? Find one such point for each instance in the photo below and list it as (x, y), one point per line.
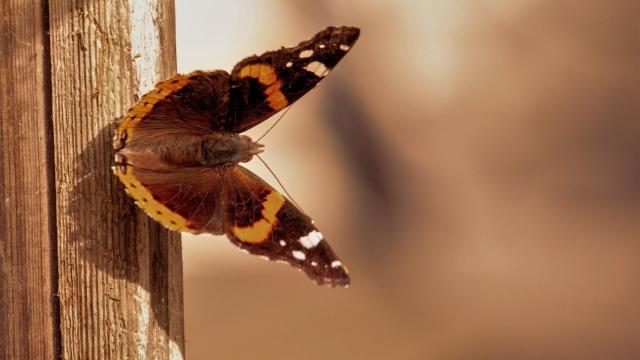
(475, 163)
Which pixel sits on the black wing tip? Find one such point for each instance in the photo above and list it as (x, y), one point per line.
(339, 282)
(345, 35)
(334, 275)
(347, 31)
(335, 282)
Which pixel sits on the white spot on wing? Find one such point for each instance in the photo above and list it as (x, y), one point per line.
(298, 254)
(305, 53)
(288, 64)
(317, 68)
(344, 47)
(336, 264)
(321, 46)
(312, 239)
(313, 263)
(283, 243)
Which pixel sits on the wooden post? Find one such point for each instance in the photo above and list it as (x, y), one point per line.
(27, 214)
(85, 275)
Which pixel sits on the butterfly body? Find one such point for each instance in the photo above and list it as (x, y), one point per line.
(210, 150)
(179, 149)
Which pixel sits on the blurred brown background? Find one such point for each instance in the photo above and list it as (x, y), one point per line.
(475, 163)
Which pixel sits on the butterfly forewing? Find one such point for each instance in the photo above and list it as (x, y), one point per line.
(260, 220)
(263, 85)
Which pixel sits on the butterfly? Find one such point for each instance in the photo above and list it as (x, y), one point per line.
(179, 148)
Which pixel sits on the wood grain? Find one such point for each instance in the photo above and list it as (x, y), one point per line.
(120, 274)
(27, 263)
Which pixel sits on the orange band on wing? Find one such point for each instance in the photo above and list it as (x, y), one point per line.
(144, 199)
(267, 76)
(260, 230)
(144, 106)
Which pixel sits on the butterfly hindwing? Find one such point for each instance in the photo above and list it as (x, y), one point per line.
(182, 105)
(263, 85)
(261, 221)
(186, 199)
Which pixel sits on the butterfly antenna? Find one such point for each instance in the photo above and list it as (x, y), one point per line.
(278, 180)
(274, 124)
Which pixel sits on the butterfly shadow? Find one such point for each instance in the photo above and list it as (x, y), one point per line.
(133, 264)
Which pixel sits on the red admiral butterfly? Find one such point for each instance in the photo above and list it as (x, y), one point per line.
(178, 152)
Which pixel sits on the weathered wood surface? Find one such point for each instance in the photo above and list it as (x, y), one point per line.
(85, 275)
(103, 54)
(27, 264)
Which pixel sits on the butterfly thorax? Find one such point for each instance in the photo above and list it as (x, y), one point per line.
(222, 149)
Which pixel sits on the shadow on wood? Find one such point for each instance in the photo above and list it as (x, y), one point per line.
(134, 263)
